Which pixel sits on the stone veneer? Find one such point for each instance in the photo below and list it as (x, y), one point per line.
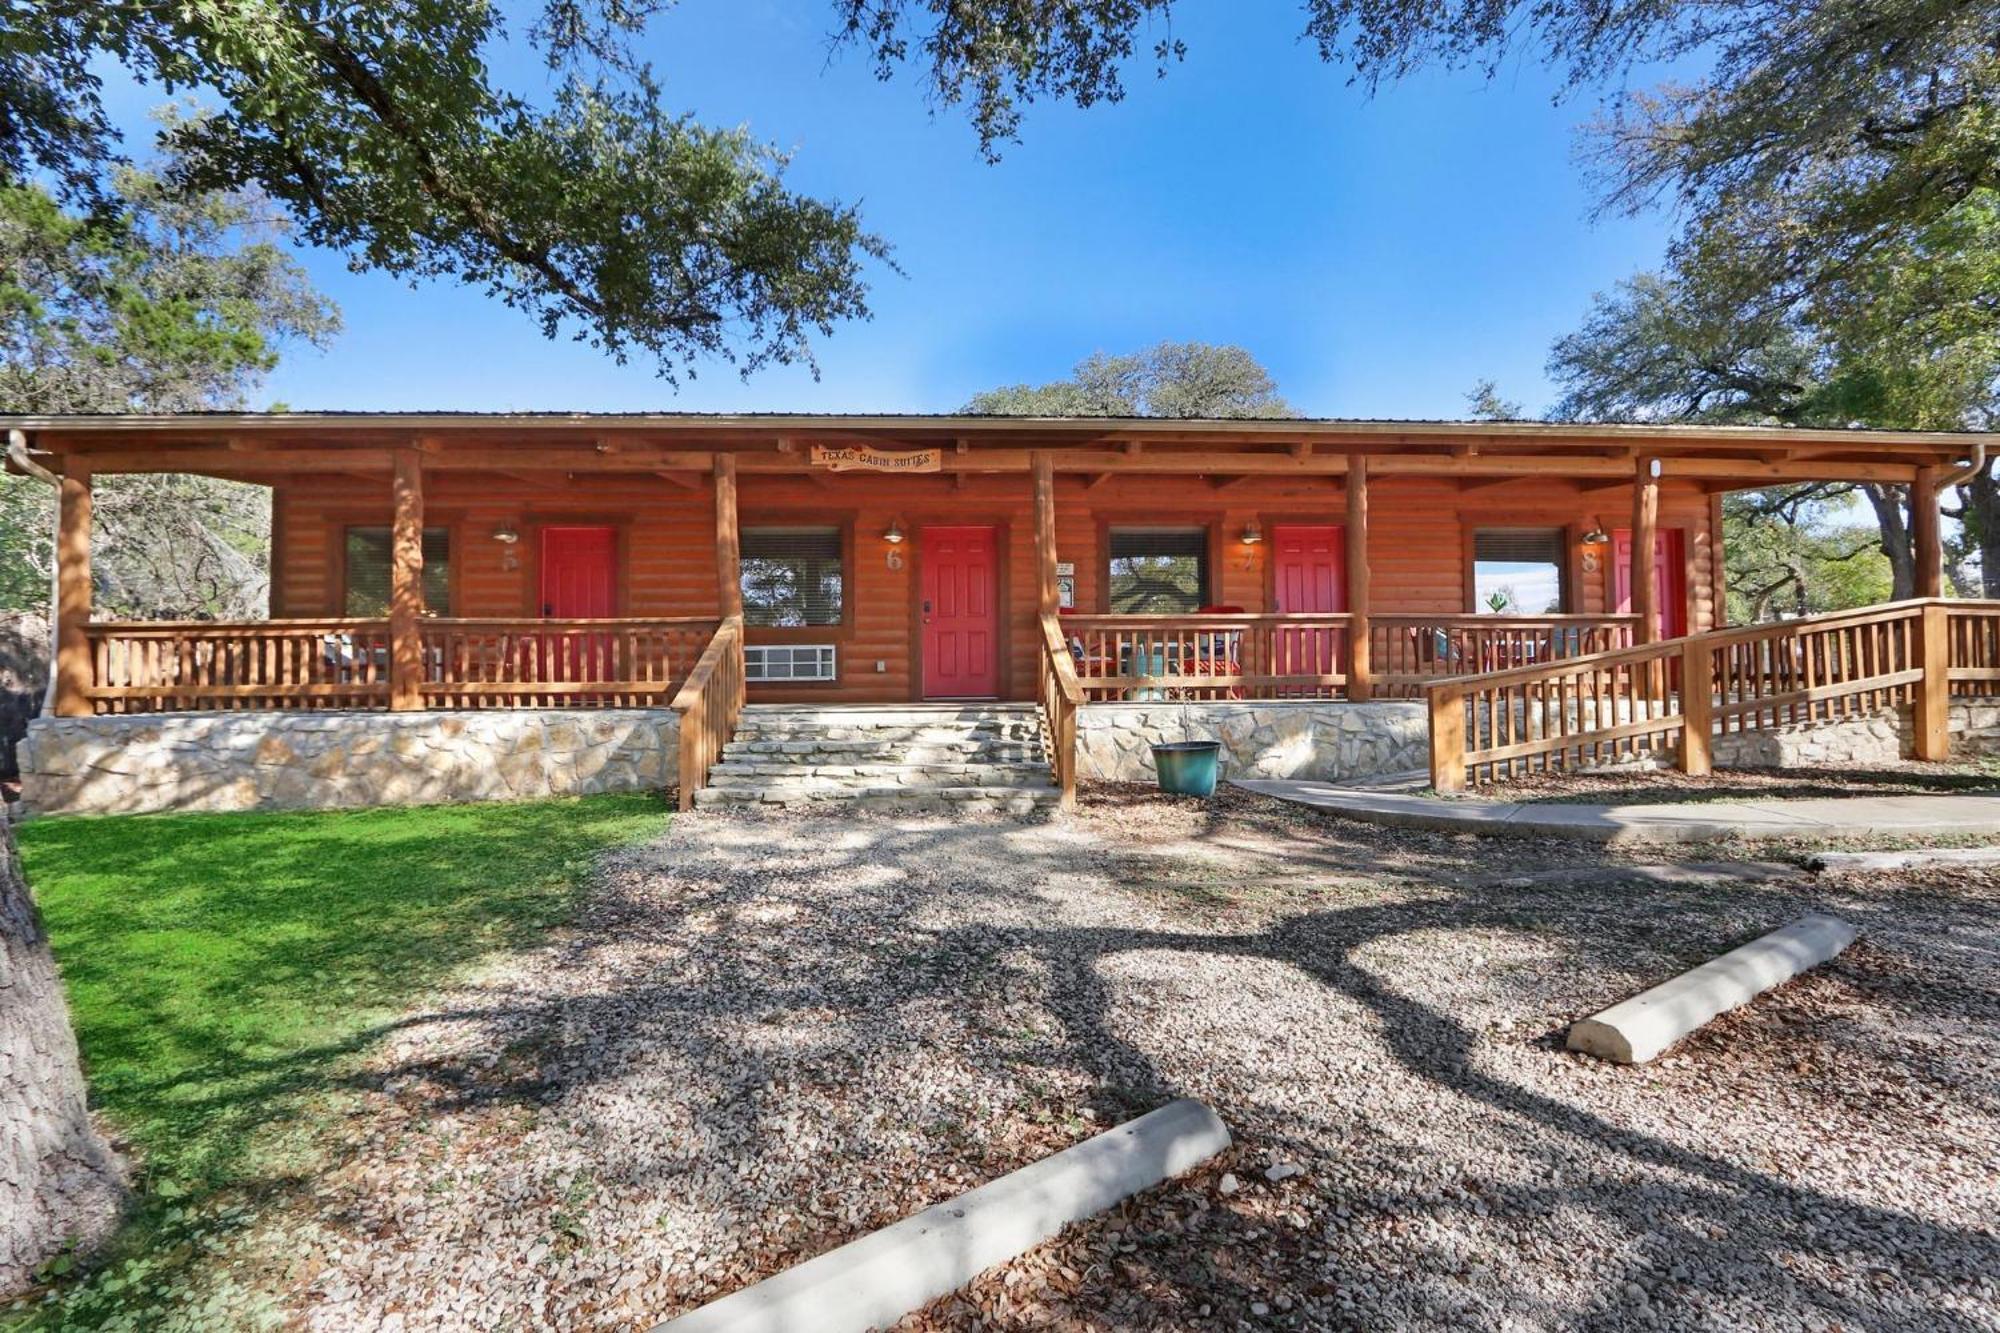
(296, 761)
(1881, 737)
(1309, 738)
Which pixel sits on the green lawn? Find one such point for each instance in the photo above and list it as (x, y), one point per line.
(222, 969)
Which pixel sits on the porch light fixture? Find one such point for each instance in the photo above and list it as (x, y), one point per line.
(1252, 534)
(894, 534)
(1597, 536)
(506, 534)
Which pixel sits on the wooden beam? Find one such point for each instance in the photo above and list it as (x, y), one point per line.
(73, 672)
(1302, 449)
(1754, 470)
(728, 540)
(687, 481)
(1481, 483)
(406, 582)
(1046, 597)
(1360, 672)
(1093, 482)
(1926, 540)
(1645, 536)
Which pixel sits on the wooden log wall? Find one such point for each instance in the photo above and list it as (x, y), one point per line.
(1418, 545)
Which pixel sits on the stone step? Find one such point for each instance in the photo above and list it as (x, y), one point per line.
(855, 717)
(727, 774)
(933, 735)
(863, 752)
(944, 800)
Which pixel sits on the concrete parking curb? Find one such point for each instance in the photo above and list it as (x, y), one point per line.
(874, 1281)
(1638, 1029)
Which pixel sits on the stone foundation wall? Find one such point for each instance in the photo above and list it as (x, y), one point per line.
(1878, 738)
(297, 761)
(1260, 738)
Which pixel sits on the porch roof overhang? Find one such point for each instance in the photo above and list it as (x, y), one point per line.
(270, 446)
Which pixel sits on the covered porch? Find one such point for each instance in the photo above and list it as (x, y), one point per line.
(1400, 513)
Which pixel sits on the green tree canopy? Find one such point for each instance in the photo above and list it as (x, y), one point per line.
(151, 301)
(382, 130)
(1165, 380)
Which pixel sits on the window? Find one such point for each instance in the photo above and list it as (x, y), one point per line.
(368, 571)
(1158, 571)
(1518, 571)
(792, 577)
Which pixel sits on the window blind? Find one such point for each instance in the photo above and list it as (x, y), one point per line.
(368, 571)
(792, 576)
(1519, 546)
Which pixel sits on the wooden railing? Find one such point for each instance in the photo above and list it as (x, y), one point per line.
(177, 666)
(1677, 695)
(709, 705)
(185, 666)
(527, 663)
(1406, 652)
(1061, 695)
(1150, 658)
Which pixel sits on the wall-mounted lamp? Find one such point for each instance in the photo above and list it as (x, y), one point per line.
(506, 534)
(894, 533)
(1252, 534)
(1595, 537)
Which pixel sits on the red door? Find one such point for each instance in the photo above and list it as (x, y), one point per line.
(1309, 572)
(1669, 579)
(961, 588)
(579, 573)
(579, 581)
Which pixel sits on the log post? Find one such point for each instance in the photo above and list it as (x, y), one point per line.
(1645, 543)
(406, 583)
(1926, 541)
(73, 667)
(728, 540)
(1447, 707)
(1047, 599)
(1360, 667)
(1697, 707)
(1933, 711)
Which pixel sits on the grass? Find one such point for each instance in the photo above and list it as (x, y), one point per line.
(222, 969)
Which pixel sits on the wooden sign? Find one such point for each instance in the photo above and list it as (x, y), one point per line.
(862, 458)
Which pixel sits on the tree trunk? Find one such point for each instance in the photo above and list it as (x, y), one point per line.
(1893, 518)
(60, 1183)
(1979, 498)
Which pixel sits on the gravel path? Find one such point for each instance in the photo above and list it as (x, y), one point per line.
(769, 1035)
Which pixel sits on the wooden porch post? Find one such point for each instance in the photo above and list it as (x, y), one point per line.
(406, 583)
(1645, 537)
(1045, 532)
(1926, 542)
(73, 671)
(728, 540)
(1360, 668)
(1933, 695)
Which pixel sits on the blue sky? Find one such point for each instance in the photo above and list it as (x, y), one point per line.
(1379, 255)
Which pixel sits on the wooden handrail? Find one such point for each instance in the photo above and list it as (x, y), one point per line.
(1062, 695)
(1621, 703)
(709, 704)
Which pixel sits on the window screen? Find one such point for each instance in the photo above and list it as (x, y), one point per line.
(1158, 571)
(1518, 571)
(792, 576)
(368, 571)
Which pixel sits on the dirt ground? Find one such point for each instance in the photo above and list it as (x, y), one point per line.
(770, 1035)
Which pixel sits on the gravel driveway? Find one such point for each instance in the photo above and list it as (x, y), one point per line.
(769, 1035)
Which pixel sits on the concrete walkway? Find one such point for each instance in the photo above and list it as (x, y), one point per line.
(1704, 821)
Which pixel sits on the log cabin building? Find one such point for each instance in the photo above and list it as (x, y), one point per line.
(445, 562)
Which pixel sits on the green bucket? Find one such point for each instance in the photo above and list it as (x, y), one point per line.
(1188, 768)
